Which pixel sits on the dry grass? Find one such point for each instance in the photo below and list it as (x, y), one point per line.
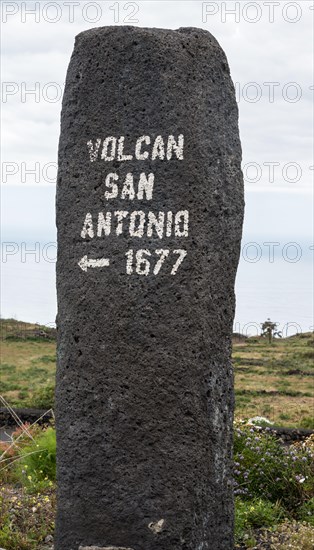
(275, 380)
(26, 366)
(285, 367)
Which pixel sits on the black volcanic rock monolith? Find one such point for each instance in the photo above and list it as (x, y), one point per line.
(149, 217)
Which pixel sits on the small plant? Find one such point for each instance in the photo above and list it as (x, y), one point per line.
(43, 398)
(36, 468)
(307, 423)
(46, 359)
(284, 416)
(254, 514)
(26, 520)
(10, 450)
(306, 512)
(269, 330)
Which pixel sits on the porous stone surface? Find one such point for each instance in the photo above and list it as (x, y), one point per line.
(144, 396)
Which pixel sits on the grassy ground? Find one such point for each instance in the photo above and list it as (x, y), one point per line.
(25, 368)
(276, 380)
(273, 485)
(273, 380)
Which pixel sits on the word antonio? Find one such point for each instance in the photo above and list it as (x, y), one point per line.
(137, 223)
(113, 148)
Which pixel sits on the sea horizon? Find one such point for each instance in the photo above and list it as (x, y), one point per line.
(270, 283)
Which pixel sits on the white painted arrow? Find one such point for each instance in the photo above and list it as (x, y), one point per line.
(85, 263)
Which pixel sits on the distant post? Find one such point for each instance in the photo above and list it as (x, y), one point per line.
(149, 218)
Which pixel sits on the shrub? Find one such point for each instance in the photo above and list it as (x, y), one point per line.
(10, 450)
(36, 468)
(307, 423)
(306, 512)
(308, 354)
(264, 468)
(43, 398)
(254, 514)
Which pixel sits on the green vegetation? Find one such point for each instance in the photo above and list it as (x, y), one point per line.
(264, 468)
(26, 521)
(271, 379)
(273, 483)
(255, 514)
(28, 364)
(275, 379)
(36, 469)
(269, 330)
(27, 493)
(274, 488)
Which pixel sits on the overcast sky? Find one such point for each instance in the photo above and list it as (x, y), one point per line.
(269, 51)
(269, 47)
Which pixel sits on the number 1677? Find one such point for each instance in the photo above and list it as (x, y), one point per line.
(141, 262)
